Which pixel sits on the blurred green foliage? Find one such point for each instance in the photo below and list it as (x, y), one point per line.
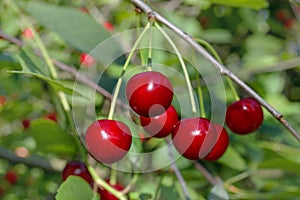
(255, 39)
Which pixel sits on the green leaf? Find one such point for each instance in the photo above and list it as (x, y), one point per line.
(33, 65)
(233, 159)
(287, 152)
(68, 23)
(169, 192)
(75, 188)
(218, 193)
(280, 163)
(255, 4)
(50, 138)
(263, 43)
(250, 19)
(191, 25)
(217, 35)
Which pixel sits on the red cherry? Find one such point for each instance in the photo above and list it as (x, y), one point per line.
(87, 60)
(149, 93)
(108, 140)
(204, 21)
(28, 33)
(77, 168)
(161, 125)
(83, 9)
(105, 195)
(2, 100)
(288, 23)
(281, 15)
(198, 138)
(26, 123)
(244, 116)
(221, 144)
(11, 177)
(108, 26)
(51, 116)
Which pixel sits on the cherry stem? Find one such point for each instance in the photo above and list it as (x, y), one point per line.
(237, 178)
(131, 183)
(200, 94)
(138, 25)
(216, 55)
(199, 90)
(184, 69)
(113, 175)
(223, 70)
(105, 185)
(120, 80)
(150, 47)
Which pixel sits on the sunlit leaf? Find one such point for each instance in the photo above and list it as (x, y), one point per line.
(218, 193)
(50, 138)
(75, 188)
(233, 159)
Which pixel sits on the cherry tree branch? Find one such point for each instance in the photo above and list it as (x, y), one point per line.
(221, 68)
(32, 160)
(178, 174)
(206, 174)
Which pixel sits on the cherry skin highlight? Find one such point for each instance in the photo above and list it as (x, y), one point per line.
(77, 168)
(161, 125)
(198, 138)
(149, 93)
(108, 140)
(244, 116)
(105, 195)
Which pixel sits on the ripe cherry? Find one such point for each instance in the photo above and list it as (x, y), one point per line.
(281, 15)
(198, 138)
(161, 125)
(51, 116)
(105, 195)
(149, 93)
(221, 144)
(28, 33)
(26, 123)
(108, 140)
(11, 176)
(244, 116)
(288, 23)
(83, 9)
(2, 100)
(87, 60)
(108, 26)
(204, 21)
(77, 168)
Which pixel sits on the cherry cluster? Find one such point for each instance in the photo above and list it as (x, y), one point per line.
(150, 95)
(78, 168)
